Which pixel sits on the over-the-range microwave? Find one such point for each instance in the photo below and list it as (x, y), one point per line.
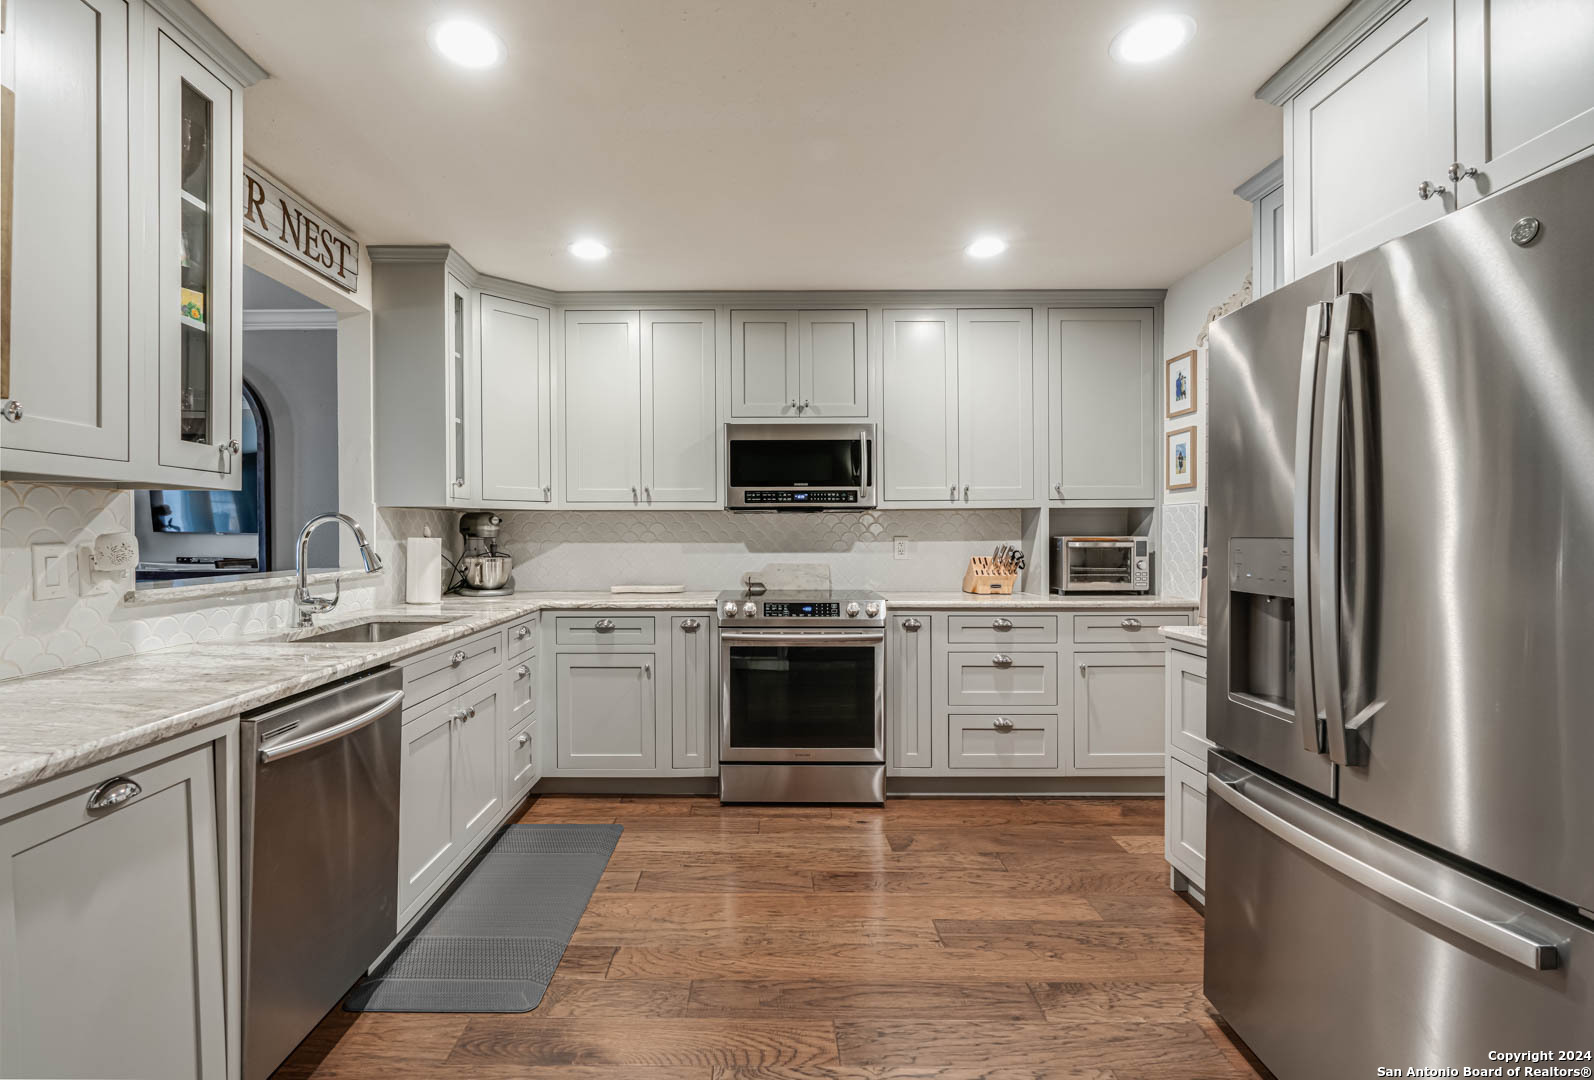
(800, 466)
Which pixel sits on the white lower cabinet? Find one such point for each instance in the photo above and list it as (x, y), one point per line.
(1185, 827)
(694, 665)
(477, 735)
(1118, 712)
(520, 770)
(111, 949)
(1007, 741)
(605, 706)
(1186, 823)
(910, 708)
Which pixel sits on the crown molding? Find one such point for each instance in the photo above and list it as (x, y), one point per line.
(1268, 180)
(290, 319)
(1343, 31)
(222, 49)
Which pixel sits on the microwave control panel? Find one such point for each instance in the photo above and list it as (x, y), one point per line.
(797, 498)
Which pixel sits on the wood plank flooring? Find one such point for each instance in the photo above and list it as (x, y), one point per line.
(967, 939)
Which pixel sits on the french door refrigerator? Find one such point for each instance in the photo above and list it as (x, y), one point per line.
(1400, 812)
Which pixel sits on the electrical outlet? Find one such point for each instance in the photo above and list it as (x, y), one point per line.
(51, 572)
(899, 547)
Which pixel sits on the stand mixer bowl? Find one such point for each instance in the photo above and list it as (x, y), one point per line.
(487, 570)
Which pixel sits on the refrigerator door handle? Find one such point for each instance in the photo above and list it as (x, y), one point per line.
(1306, 712)
(1513, 942)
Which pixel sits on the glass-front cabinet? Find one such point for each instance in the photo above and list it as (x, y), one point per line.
(197, 343)
(464, 404)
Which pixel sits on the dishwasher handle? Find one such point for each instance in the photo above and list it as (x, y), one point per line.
(370, 716)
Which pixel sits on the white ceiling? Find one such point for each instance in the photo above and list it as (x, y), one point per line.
(776, 143)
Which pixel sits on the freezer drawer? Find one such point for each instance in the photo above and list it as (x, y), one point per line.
(1332, 949)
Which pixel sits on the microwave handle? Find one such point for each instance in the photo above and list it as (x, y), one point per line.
(866, 465)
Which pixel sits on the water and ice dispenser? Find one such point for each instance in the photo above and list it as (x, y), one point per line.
(1262, 620)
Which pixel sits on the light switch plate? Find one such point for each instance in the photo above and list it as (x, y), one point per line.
(52, 572)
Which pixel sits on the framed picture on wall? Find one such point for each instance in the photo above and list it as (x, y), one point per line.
(1179, 389)
(1179, 468)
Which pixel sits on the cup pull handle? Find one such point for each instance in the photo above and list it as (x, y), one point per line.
(113, 793)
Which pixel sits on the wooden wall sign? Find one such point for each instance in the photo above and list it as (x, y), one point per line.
(280, 220)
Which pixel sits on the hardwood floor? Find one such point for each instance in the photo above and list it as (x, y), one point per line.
(969, 939)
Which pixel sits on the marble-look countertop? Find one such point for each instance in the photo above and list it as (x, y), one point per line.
(962, 601)
(1186, 635)
(59, 721)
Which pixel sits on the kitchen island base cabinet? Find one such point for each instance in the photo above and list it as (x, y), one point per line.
(605, 711)
(111, 950)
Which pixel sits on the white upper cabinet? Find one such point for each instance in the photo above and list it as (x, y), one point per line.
(764, 376)
(516, 413)
(680, 428)
(603, 407)
(919, 452)
(1103, 424)
(1524, 89)
(464, 394)
(799, 364)
(996, 406)
(68, 65)
(1367, 132)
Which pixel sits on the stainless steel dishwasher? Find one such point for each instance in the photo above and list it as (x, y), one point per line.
(319, 787)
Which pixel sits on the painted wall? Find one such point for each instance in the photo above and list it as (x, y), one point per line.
(295, 372)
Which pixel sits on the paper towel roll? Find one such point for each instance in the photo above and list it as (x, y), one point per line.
(423, 570)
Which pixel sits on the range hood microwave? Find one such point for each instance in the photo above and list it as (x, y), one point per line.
(803, 467)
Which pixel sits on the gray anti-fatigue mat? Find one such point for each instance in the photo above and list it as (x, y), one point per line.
(495, 941)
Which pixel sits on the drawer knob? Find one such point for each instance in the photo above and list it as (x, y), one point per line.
(457, 659)
(912, 626)
(522, 671)
(113, 793)
(459, 716)
(1131, 624)
(604, 626)
(691, 626)
(522, 633)
(525, 737)
(1002, 660)
(1002, 625)
(647, 671)
(1002, 723)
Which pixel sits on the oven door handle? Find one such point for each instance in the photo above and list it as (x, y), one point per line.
(755, 637)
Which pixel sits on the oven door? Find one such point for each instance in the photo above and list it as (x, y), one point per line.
(802, 696)
(1100, 566)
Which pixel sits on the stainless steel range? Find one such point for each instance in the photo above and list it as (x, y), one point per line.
(802, 697)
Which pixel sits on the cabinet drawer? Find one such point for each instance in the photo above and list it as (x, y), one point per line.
(1010, 628)
(1187, 704)
(994, 741)
(1186, 821)
(989, 677)
(520, 691)
(451, 666)
(521, 764)
(1124, 628)
(604, 630)
(521, 637)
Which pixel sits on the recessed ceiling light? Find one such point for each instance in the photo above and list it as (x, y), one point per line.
(985, 247)
(1152, 38)
(589, 249)
(469, 44)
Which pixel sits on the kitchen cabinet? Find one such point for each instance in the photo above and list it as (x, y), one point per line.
(1118, 712)
(1104, 424)
(640, 421)
(802, 364)
(1269, 250)
(124, 346)
(910, 709)
(1524, 90)
(1364, 134)
(111, 927)
(958, 411)
(1185, 803)
(1185, 824)
(1000, 742)
(520, 765)
(478, 736)
(605, 706)
(694, 692)
(514, 395)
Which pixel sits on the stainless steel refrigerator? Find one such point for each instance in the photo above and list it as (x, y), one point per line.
(1400, 812)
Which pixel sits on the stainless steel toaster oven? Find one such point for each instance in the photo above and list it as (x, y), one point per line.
(1101, 564)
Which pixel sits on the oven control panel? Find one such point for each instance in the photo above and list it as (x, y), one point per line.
(784, 610)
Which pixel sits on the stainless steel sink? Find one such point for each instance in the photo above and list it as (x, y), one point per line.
(367, 632)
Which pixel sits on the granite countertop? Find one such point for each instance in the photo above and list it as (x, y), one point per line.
(64, 720)
(962, 601)
(1186, 635)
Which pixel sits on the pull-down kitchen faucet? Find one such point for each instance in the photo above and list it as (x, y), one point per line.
(306, 605)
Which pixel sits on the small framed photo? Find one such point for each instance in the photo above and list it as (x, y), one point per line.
(1180, 466)
(1179, 390)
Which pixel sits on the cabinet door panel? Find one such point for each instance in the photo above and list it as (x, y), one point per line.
(1185, 842)
(1524, 88)
(464, 449)
(603, 407)
(605, 706)
(1187, 704)
(428, 832)
(694, 705)
(919, 455)
(764, 363)
(478, 739)
(1368, 131)
(996, 414)
(110, 932)
(513, 390)
(69, 227)
(680, 425)
(200, 377)
(1103, 442)
(833, 349)
(909, 706)
(1118, 712)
